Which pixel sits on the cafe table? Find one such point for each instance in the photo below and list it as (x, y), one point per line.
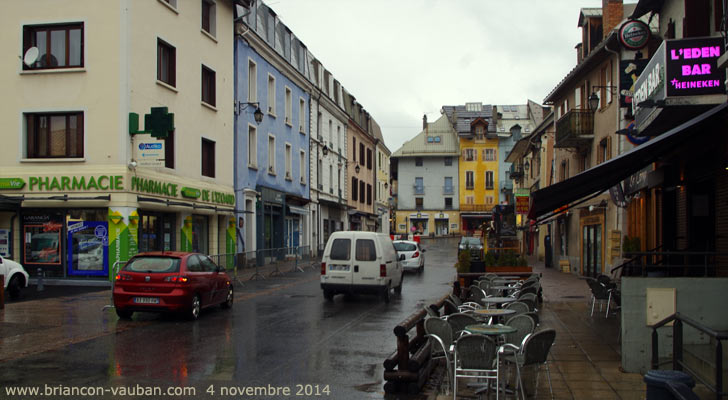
(497, 300)
(490, 330)
(496, 313)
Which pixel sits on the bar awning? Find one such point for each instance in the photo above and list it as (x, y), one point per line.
(297, 210)
(545, 202)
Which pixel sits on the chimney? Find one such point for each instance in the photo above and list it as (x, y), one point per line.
(612, 15)
(424, 122)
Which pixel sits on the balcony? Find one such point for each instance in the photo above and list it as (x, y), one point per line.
(419, 189)
(477, 207)
(516, 173)
(448, 190)
(575, 129)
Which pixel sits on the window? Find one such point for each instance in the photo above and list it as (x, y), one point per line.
(59, 46)
(489, 180)
(418, 203)
(430, 139)
(448, 189)
(354, 189)
(448, 161)
(302, 116)
(362, 160)
(577, 98)
(289, 106)
(208, 16)
(418, 161)
(365, 250)
(469, 181)
(166, 63)
(369, 158)
(208, 158)
(448, 203)
(354, 152)
(331, 179)
(271, 154)
(609, 83)
(489, 200)
(54, 135)
(489, 155)
(362, 192)
(271, 95)
(369, 194)
(172, 3)
(252, 81)
(169, 150)
(479, 132)
(252, 146)
(470, 155)
(340, 249)
(288, 161)
(338, 137)
(419, 186)
(437, 139)
(302, 166)
(208, 85)
(602, 153)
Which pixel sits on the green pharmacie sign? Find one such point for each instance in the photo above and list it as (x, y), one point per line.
(11, 183)
(75, 183)
(172, 190)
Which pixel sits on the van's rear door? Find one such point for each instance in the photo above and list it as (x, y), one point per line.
(340, 267)
(366, 262)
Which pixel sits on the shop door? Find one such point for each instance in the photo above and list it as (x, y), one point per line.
(292, 235)
(591, 250)
(156, 232)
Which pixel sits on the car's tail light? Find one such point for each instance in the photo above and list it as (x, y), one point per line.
(323, 268)
(417, 254)
(382, 270)
(177, 279)
(123, 277)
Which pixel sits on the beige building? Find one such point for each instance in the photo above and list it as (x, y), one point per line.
(81, 187)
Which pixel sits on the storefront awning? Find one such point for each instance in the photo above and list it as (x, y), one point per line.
(297, 210)
(546, 201)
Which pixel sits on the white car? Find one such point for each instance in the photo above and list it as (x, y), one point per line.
(414, 254)
(15, 277)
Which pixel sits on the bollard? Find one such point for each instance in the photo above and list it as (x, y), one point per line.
(40, 279)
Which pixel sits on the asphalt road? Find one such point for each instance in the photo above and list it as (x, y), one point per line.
(281, 339)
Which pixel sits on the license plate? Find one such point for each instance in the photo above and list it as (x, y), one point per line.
(146, 300)
(343, 268)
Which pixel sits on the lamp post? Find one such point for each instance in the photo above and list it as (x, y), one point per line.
(257, 114)
(593, 102)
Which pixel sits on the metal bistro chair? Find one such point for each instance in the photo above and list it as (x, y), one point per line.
(534, 351)
(520, 307)
(466, 306)
(524, 325)
(475, 357)
(458, 322)
(600, 293)
(475, 294)
(440, 333)
(530, 303)
(534, 316)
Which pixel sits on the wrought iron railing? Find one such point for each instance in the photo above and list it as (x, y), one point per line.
(575, 129)
(671, 263)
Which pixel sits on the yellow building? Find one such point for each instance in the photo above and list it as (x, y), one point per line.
(475, 124)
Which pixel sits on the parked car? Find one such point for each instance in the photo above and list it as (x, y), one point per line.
(360, 262)
(475, 245)
(171, 282)
(414, 255)
(15, 277)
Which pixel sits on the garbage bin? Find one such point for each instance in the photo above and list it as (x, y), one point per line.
(657, 381)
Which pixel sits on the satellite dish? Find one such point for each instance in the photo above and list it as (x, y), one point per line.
(31, 56)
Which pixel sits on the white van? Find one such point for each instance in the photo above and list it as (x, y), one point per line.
(360, 262)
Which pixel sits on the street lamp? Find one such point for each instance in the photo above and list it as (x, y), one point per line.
(325, 150)
(593, 102)
(257, 114)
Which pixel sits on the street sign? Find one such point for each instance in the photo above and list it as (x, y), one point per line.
(148, 152)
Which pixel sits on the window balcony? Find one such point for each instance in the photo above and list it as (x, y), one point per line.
(575, 129)
(448, 190)
(419, 189)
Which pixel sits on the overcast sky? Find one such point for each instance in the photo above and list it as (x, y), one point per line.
(405, 58)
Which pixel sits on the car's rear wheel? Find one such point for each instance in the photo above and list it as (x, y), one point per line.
(195, 307)
(228, 303)
(14, 287)
(124, 314)
(328, 294)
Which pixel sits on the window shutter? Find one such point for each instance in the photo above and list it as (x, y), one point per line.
(609, 148)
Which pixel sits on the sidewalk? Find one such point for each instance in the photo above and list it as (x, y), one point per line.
(585, 359)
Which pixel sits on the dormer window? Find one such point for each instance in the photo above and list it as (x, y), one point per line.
(479, 132)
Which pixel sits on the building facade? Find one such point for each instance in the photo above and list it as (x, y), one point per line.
(426, 189)
(383, 199)
(272, 156)
(123, 135)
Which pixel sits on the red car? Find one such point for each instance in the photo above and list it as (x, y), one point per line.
(171, 281)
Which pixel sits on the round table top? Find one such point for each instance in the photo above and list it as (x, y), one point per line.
(503, 287)
(485, 329)
(505, 281)
(494, 311)
(498, 299)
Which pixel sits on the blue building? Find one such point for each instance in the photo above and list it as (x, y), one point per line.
(272, 134)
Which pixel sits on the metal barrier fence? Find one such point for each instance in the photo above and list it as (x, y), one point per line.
(269, 261)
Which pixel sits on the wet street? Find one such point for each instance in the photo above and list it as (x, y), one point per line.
(280, 335)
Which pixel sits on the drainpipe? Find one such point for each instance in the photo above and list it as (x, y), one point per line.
(318, 173)
(619, 211)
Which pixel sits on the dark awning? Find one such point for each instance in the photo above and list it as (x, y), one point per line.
(609, 173)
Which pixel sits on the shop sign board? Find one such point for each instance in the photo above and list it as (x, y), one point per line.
(12, 183)
(522, 205)
(680, 68)
(634, 34)
(149, 153)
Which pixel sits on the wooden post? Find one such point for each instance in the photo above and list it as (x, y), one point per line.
(2, 292)
(403, 352)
